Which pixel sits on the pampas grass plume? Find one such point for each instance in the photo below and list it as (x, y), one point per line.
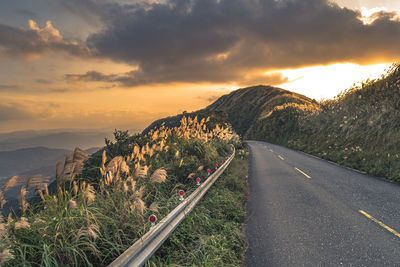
(2, 200)
(71, 204)
(158, 176)
(141, 172)
(154, 207)
(22, 224)
(139, 205)
(14, 181)
(89, 194)
(22, 202)
(5, 256)
(76, 188)
(124, 167)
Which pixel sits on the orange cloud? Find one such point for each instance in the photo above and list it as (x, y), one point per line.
(35, 41)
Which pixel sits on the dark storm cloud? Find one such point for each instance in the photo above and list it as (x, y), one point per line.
(226, 40)
(135, 78)
(218, 40)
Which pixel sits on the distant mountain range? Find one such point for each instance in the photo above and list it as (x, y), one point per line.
(28, 162)
(52, 139)
(29, 159)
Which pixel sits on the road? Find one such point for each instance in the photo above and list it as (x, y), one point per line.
(304, 211)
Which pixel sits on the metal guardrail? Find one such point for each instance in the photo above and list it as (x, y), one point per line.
(147, 245)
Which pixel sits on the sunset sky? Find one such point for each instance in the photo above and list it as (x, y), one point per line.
(105, 64)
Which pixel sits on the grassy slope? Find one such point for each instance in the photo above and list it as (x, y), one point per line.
(242, 107)
(212, 233)
(86, 225)
(359, 129)
(219, 117)
(245, 106)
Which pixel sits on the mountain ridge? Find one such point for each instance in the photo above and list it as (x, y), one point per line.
(358, 128)
(57, 140)
(243, 106)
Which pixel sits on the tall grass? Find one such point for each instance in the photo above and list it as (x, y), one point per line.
(211, 235)
(101, 204)
(359, 128)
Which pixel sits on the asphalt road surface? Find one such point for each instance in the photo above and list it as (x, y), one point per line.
(304, 211)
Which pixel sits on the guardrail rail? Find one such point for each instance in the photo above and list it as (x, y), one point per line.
(147, 245)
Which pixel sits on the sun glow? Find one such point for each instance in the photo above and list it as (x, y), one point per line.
(368, 16)
(323, 82)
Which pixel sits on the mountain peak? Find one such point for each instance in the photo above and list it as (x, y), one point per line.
(246, 105)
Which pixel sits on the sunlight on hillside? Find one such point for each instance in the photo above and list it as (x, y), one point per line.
(327, 81)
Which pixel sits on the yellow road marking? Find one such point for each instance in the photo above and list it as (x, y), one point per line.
(279, 156)
(380, 223)
(305, 174)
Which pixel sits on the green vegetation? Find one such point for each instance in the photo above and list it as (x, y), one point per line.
(248, 105)
(359, 128)
(101, 204)
(215, 118)
(212, 233)
(243, 107)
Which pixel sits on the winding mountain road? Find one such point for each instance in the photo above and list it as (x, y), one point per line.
(304, 211)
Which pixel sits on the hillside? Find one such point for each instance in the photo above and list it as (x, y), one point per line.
(243, 107)
(100, 205)
(28, 159)
(246, 106)
(29, 162)
(359, 128)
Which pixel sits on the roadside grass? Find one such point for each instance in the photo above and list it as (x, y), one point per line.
(100, 205)
(211, 235)
(358, 129)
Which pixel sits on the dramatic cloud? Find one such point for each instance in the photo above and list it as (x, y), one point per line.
(216, 40)
(224, 40)
(135, 78)
(35, 41)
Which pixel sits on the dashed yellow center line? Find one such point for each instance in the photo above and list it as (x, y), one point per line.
(305, 174)
(380, 223)
(279, 156)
